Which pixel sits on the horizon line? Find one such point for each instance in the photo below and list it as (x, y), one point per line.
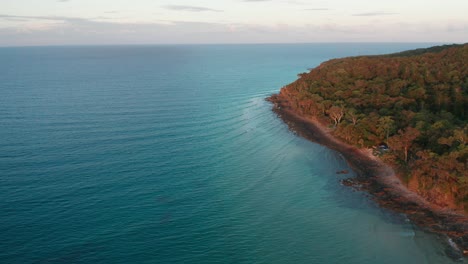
(231, 44)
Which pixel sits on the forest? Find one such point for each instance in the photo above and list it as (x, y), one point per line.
(410, 107)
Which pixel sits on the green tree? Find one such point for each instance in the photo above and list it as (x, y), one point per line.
(385, 126)
(403, 140)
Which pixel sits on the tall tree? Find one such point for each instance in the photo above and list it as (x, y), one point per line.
(385, 126)
(403, 140)
(336, 114)
(353, 115)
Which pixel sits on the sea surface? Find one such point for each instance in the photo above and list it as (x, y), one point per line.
(170, 154)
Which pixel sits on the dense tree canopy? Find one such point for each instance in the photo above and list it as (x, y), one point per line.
(415, 101)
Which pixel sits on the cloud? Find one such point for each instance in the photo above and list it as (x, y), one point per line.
(190, 8)
(317, 9)
(255, 0)
(13, 18)
(62, 30)
(50, 18)
(63, 1)
(295, 2)
(375, 14)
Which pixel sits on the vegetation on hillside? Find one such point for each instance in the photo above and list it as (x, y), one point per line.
(415, 102)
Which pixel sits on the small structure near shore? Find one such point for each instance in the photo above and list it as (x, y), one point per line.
(383, 147)
(380, 149)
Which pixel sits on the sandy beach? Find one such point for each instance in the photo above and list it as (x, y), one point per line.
(381, 182)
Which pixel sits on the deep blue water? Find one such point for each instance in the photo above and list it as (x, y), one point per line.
(169, 154)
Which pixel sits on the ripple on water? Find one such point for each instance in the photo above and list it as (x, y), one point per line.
(171, 155)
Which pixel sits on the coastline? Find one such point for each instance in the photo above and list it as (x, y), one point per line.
(380, 181)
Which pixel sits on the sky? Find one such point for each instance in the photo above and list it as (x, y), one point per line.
(100, 22)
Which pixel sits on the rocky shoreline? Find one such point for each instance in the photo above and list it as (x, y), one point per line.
(380, 181)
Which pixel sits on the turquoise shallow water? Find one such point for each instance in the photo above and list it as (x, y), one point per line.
(169, 154)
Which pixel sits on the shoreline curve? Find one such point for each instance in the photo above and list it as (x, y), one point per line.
(380, 181)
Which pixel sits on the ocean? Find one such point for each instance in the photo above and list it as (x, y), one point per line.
(170, 154)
